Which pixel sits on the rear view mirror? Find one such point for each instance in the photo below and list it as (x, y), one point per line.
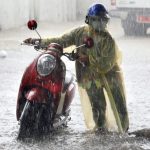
(32, 24)
(88, 41)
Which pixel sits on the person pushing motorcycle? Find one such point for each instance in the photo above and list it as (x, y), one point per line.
(98, 71)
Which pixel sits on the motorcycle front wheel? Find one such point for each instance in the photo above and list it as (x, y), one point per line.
(35, 120)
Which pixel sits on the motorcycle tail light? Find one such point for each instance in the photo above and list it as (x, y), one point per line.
(46, 64)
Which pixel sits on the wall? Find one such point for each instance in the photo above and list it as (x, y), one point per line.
(15, 13)
(83, 6)
(57, 10)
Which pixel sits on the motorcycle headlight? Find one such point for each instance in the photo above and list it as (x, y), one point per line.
(46, 64)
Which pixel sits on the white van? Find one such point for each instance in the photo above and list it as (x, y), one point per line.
(134, 14)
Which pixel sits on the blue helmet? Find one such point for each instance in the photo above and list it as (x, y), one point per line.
(97, 10)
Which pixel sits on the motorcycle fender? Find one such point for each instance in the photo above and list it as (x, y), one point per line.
(37, 95)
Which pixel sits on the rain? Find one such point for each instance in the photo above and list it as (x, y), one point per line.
(132, 40)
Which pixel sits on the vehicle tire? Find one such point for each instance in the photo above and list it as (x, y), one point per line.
(43, 120)
(22, 133)
(36, 120)
(132, 28)
(24, 123)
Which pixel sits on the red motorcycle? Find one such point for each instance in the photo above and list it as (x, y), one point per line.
(46, 90)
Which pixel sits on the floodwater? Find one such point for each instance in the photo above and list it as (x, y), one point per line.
(136, 68)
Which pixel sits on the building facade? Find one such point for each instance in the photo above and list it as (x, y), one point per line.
(15, 13)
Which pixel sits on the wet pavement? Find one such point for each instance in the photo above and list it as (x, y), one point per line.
(136, 68)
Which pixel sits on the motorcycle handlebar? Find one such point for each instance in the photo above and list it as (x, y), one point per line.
(23, 43)
(36, 46)
(71, 56)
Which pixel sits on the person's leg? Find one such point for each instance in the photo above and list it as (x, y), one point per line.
(115, 82)
(97, 99)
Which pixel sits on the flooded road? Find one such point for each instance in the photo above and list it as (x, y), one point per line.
(136, 68)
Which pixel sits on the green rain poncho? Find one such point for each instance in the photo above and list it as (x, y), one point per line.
(100, 82)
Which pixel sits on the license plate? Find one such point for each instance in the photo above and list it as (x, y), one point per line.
(143, 19)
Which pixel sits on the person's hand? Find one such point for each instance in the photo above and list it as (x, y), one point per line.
(32, 41)
(83, 59)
